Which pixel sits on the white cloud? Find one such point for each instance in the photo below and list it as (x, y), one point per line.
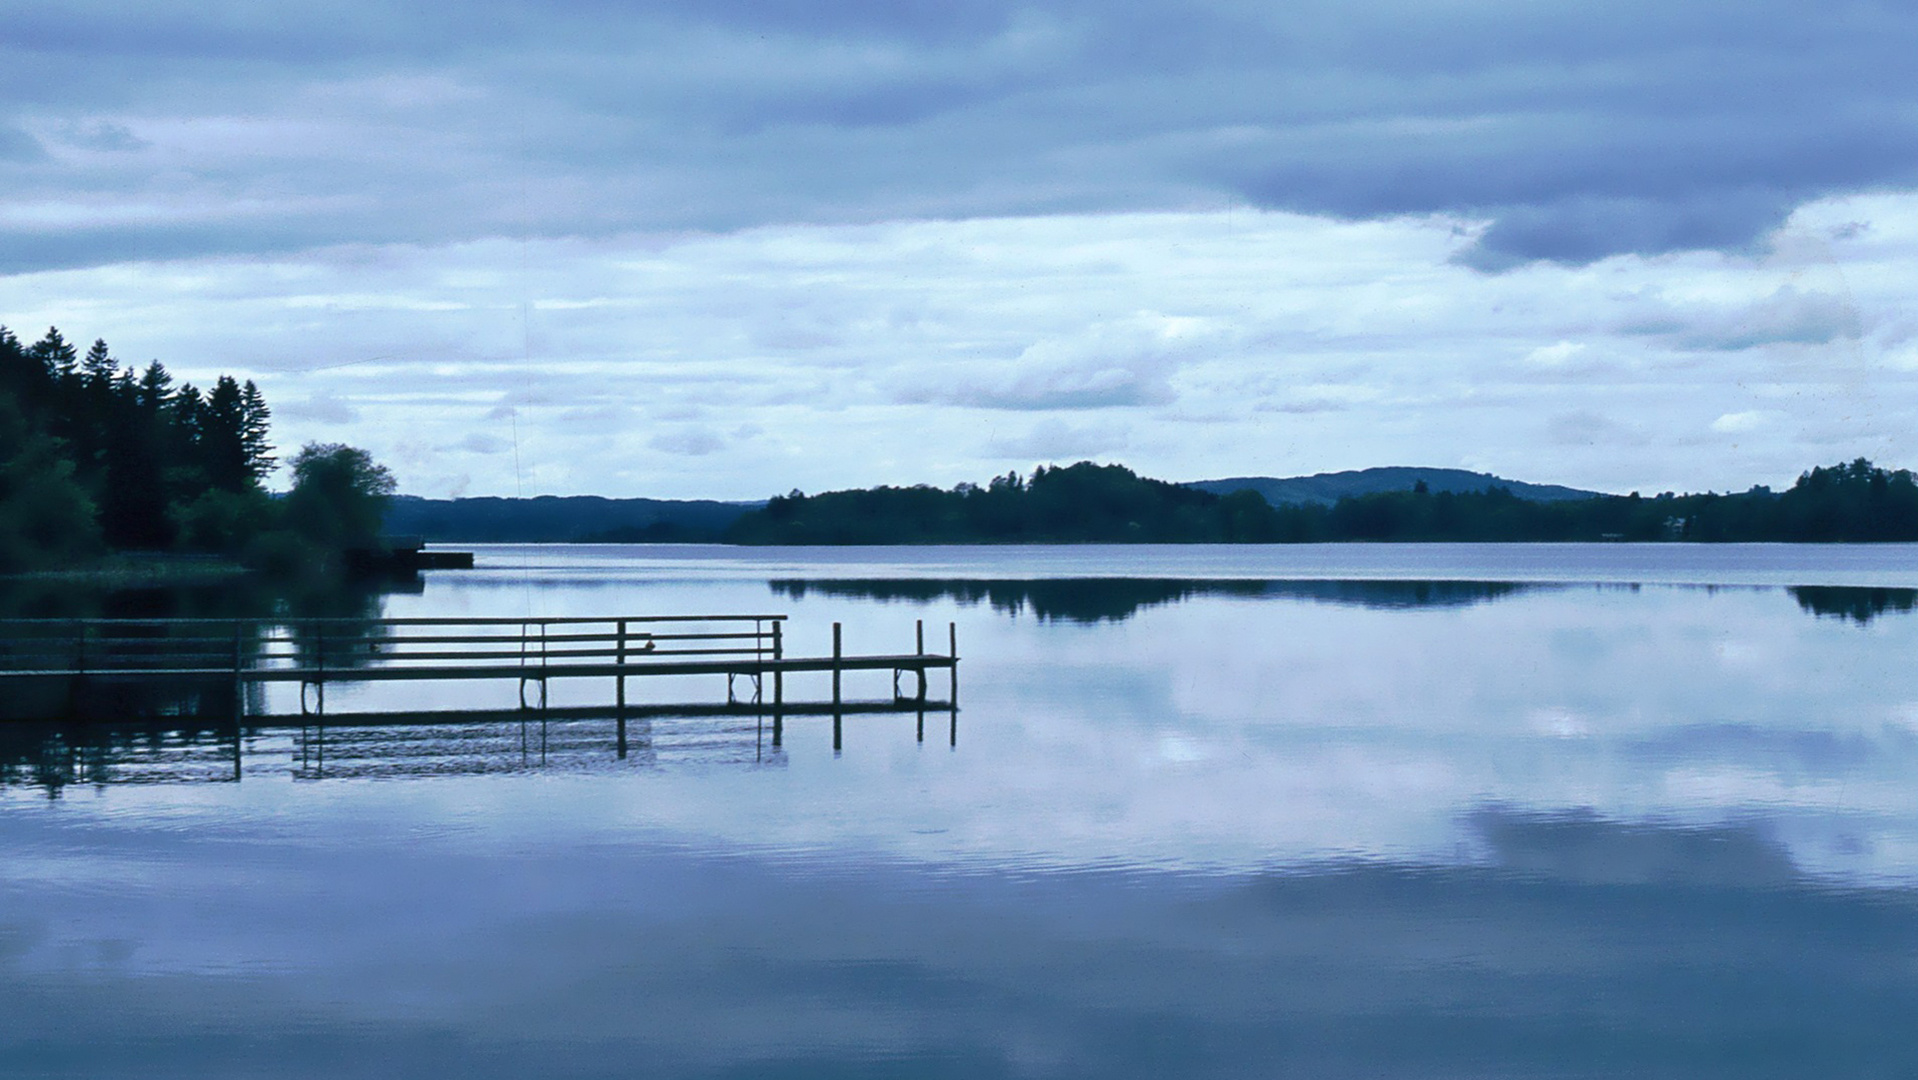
(1554, 356)
(1743, 423)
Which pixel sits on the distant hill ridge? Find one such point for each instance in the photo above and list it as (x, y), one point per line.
(589, 518)
(1324, 489)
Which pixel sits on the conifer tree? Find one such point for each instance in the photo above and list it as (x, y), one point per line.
(99, 368)
(255, 426)
(58, 357)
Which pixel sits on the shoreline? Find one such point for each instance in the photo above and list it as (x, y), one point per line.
(137, 569)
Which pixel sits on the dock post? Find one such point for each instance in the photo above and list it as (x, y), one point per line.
(837, 738)
(952, 631)
(239, 696)
(620, 662)
(919, 633)
(620, 712)
(319, 685)
(779, 678)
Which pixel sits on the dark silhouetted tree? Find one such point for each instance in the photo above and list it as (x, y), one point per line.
(339, 496)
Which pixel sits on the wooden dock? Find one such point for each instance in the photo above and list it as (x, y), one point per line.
(51, 668)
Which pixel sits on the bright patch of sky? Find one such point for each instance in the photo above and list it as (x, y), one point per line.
(729, 249)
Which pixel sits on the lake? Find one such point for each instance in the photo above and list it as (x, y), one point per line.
(1327, 811)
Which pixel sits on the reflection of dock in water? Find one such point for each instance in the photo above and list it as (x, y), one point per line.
(426, 744)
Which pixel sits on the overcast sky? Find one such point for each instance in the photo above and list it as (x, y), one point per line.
(730, 247)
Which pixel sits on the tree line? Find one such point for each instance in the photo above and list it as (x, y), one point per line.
(1072, 504)
(1849, 502)
(96, 457)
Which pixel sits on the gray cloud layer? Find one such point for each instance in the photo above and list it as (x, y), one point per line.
(1578, 131)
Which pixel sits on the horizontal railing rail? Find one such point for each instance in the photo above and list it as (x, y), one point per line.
(168, 644)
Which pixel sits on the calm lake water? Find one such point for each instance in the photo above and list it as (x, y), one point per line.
(1353, 811)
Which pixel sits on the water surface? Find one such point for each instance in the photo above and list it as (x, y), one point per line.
(1429, 811)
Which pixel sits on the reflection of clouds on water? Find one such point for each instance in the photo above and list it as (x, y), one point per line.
(1216, 732)
(1234, 723)
(1586, 946)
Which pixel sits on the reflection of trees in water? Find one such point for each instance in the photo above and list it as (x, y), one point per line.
(1083, 600)
(1859, 604)
(1582, 847)
(335, 628)
(1088, 600)
(1402, 594)
(223, 596)
(208, 625)
(54, 757)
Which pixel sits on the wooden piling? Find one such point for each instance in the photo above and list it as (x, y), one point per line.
(779, 680)
(620, 662)
(919, 650)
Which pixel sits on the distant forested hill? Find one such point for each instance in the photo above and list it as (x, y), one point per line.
(561, 519)
(1324, 489)
(1088, 503)
(1084, 503)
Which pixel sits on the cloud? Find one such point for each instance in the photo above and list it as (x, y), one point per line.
(1582, 228)
(322, 408)
(1121, 363)
(17, 145)
(1568, 132)
(483, 444)
(1555, 356)
(102, 136)
(1741, 423)
(1056, 441)
(1786, 317)
(1584, 428)
(688, 441)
